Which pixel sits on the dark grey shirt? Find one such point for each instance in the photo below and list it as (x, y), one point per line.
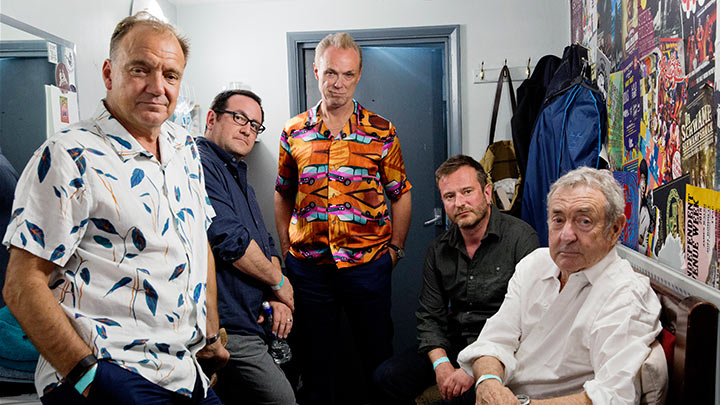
(459, 293)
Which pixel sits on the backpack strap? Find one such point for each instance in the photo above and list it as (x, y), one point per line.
(504, 72)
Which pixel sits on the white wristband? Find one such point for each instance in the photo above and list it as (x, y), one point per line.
(487, 377)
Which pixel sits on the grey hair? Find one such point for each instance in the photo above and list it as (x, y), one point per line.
(599, 179)
(340, 40)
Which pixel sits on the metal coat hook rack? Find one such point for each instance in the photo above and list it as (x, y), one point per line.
(483, 75)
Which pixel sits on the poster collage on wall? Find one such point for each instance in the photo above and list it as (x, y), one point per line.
(655, 62)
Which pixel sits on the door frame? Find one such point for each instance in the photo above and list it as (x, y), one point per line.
(447, 35)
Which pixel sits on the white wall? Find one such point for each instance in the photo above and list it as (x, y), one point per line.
(246, 41)
(87, 23)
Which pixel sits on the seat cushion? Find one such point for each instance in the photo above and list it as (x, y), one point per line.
(654, 376)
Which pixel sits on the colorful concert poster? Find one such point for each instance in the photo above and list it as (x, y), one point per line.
(669, 206)
(630, 27)
(671, 98)
(667, 17)
(603, 69)
(590, 26)
(699, 33)
(717, 144)
(646, 214)
(610, 29)
(646, 31)
(629, 183)
(576, 22)
(583, 24)
(698, 133)
(649, 123)
(632, 111)
(615, 120)
(702, 225)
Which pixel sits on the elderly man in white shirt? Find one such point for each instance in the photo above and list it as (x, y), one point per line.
(577, 322)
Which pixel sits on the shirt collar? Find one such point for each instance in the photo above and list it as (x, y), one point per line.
(595, 272)
(592, 273)
(127, 147)
(315, 117)
(456, 240)
(221, 153)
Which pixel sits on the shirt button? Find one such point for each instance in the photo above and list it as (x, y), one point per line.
(497, 268)
(472, 277)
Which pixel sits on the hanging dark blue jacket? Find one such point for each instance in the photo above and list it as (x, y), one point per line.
(569, 133)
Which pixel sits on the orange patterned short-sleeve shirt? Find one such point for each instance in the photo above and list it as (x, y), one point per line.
(337, 183)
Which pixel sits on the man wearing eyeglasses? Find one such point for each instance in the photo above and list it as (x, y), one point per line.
(337, 163)
(247, 263)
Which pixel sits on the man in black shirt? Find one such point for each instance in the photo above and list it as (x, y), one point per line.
(247, 263)
(465, 278)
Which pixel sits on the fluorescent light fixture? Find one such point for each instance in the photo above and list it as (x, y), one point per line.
(151, 6)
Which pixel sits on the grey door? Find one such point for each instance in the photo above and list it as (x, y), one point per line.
(405, 84)
(22, 104)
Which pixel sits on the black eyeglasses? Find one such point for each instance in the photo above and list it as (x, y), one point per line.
(241, 119)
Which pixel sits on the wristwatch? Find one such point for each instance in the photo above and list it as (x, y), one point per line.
(400, 252)
(524, 399)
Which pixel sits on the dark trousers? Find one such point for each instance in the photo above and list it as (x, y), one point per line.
(321, 292)
(115, 385)
(406, 375)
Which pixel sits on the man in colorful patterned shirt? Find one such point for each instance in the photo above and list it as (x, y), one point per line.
(110, 273)
(336, 159)
(247, 263)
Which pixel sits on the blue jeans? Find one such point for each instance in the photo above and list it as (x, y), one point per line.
(115, 385)
(321, 292)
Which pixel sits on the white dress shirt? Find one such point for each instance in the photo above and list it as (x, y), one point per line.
(593, 335)
(127, 233)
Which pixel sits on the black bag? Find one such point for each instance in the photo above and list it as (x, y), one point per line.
(530, 97)
(499, 160)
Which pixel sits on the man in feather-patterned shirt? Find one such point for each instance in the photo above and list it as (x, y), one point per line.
(110, 274)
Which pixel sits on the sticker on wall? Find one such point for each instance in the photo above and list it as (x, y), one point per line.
(52, 52)
(62, 77)
(64, 112)
(69, 59)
